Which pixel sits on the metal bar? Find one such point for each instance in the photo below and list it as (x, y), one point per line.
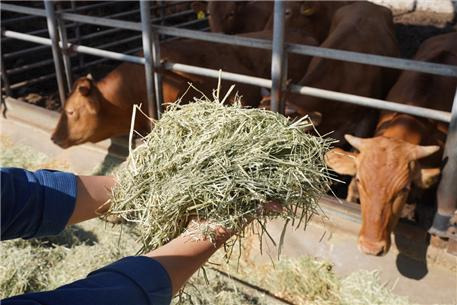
(38, 32)
(384, 61)
(447, 192)
(64, 48)
(32, 81)
(348, 98)
(29, 66)
(81, 49)
(25, 51)
(257, 81)
(51, 21)
(157, 76)
(118, 42)
(74, 8)
(149, 65)
(6, 83)
(375, 60)
(123, 14)
(18, 19)
(187, 23)
(372, 103)
(277, 58)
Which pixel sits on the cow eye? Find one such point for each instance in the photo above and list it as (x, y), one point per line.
(357, 179)
(69, 112)
(288, 12)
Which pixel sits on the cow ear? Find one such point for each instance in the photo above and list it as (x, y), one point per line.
(342, 162)
(84, 86)
(199, 8)
(307, 10)
(418, 152)
(426, 177)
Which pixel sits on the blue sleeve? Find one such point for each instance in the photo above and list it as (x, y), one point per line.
(135, 280)
(35, 204)
(40, 203)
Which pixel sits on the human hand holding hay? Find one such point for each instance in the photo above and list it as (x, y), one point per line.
(219, 163)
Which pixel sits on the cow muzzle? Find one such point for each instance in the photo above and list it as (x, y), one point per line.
(376, 248)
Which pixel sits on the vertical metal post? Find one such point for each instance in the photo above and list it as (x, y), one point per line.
(78, 36)
(278, 58)
(157, 76)
(52, 28)
(64, 49)
(6, 83)
(147, 47)
(447, 189)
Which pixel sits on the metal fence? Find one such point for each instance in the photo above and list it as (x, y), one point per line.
(447, 198)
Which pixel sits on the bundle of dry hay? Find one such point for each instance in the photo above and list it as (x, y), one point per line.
(220, 163)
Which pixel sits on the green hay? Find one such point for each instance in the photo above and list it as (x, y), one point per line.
(219, 163)
(13, 155)
(47, 263)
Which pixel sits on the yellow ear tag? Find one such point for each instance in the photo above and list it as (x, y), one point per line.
(200, 15)
(308, 11)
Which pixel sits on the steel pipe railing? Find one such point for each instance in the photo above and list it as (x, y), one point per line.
(278, 73)
(338, 96)
(81, 49)
(149, 65)
(52, 27)
(6, 83)
(62, 30)
(385, 61)
(157, 76)
(447, 192)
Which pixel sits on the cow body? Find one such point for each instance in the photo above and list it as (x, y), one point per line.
(96, 111)
(405, 151)
(359, 27)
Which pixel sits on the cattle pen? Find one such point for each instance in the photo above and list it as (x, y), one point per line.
(151, 31)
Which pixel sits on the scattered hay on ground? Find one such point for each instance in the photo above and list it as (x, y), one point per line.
(47, 263)
(26, 157)
(220, 163)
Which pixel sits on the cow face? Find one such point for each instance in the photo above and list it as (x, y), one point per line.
(314, 16)
(79, 119)
(223, 16)
(384, 171)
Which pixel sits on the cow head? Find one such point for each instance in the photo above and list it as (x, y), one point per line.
(223, 16)
(315, 16)
(384, 171)
(79, 119)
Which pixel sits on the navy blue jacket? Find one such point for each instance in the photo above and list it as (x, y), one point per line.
(40, 203)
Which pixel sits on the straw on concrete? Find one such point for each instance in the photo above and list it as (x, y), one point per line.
(220, 163)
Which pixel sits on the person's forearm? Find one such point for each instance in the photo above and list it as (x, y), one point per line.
(184, 255)
(92, 198)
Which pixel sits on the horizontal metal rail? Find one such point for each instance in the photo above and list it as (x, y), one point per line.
(377, 60)
(338, 96)
(241, 78)
(316, 92)
(78, 48)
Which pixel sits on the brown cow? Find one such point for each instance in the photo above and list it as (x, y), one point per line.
(360, 27)
(96, 111)
(402, 152)
(233, 17)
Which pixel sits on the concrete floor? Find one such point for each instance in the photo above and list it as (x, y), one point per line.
(429, 278)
